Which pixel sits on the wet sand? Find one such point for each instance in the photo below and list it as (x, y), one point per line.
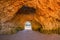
(30, 35)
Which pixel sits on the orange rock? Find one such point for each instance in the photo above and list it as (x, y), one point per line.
(47, 12)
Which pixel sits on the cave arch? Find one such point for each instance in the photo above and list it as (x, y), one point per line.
(26, 10)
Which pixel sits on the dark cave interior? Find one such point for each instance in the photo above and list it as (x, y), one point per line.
(26, 10)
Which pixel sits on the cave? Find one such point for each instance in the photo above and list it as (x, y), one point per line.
(26, 10)
(28, 25)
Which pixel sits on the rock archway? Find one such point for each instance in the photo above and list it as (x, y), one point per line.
(45, 13)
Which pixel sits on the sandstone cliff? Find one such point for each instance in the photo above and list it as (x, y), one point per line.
(46, 14)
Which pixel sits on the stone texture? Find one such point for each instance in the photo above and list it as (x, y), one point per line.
(47, 13)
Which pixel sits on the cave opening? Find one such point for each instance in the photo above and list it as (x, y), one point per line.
(26, 10)
(28, 25)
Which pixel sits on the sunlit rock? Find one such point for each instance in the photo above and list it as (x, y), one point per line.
(45, 12)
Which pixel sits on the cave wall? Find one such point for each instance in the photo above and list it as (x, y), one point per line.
(47, 13)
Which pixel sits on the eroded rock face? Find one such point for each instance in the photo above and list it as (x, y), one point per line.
(47, 13)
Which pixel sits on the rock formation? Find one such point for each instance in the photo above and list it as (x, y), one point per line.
(41, 13)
